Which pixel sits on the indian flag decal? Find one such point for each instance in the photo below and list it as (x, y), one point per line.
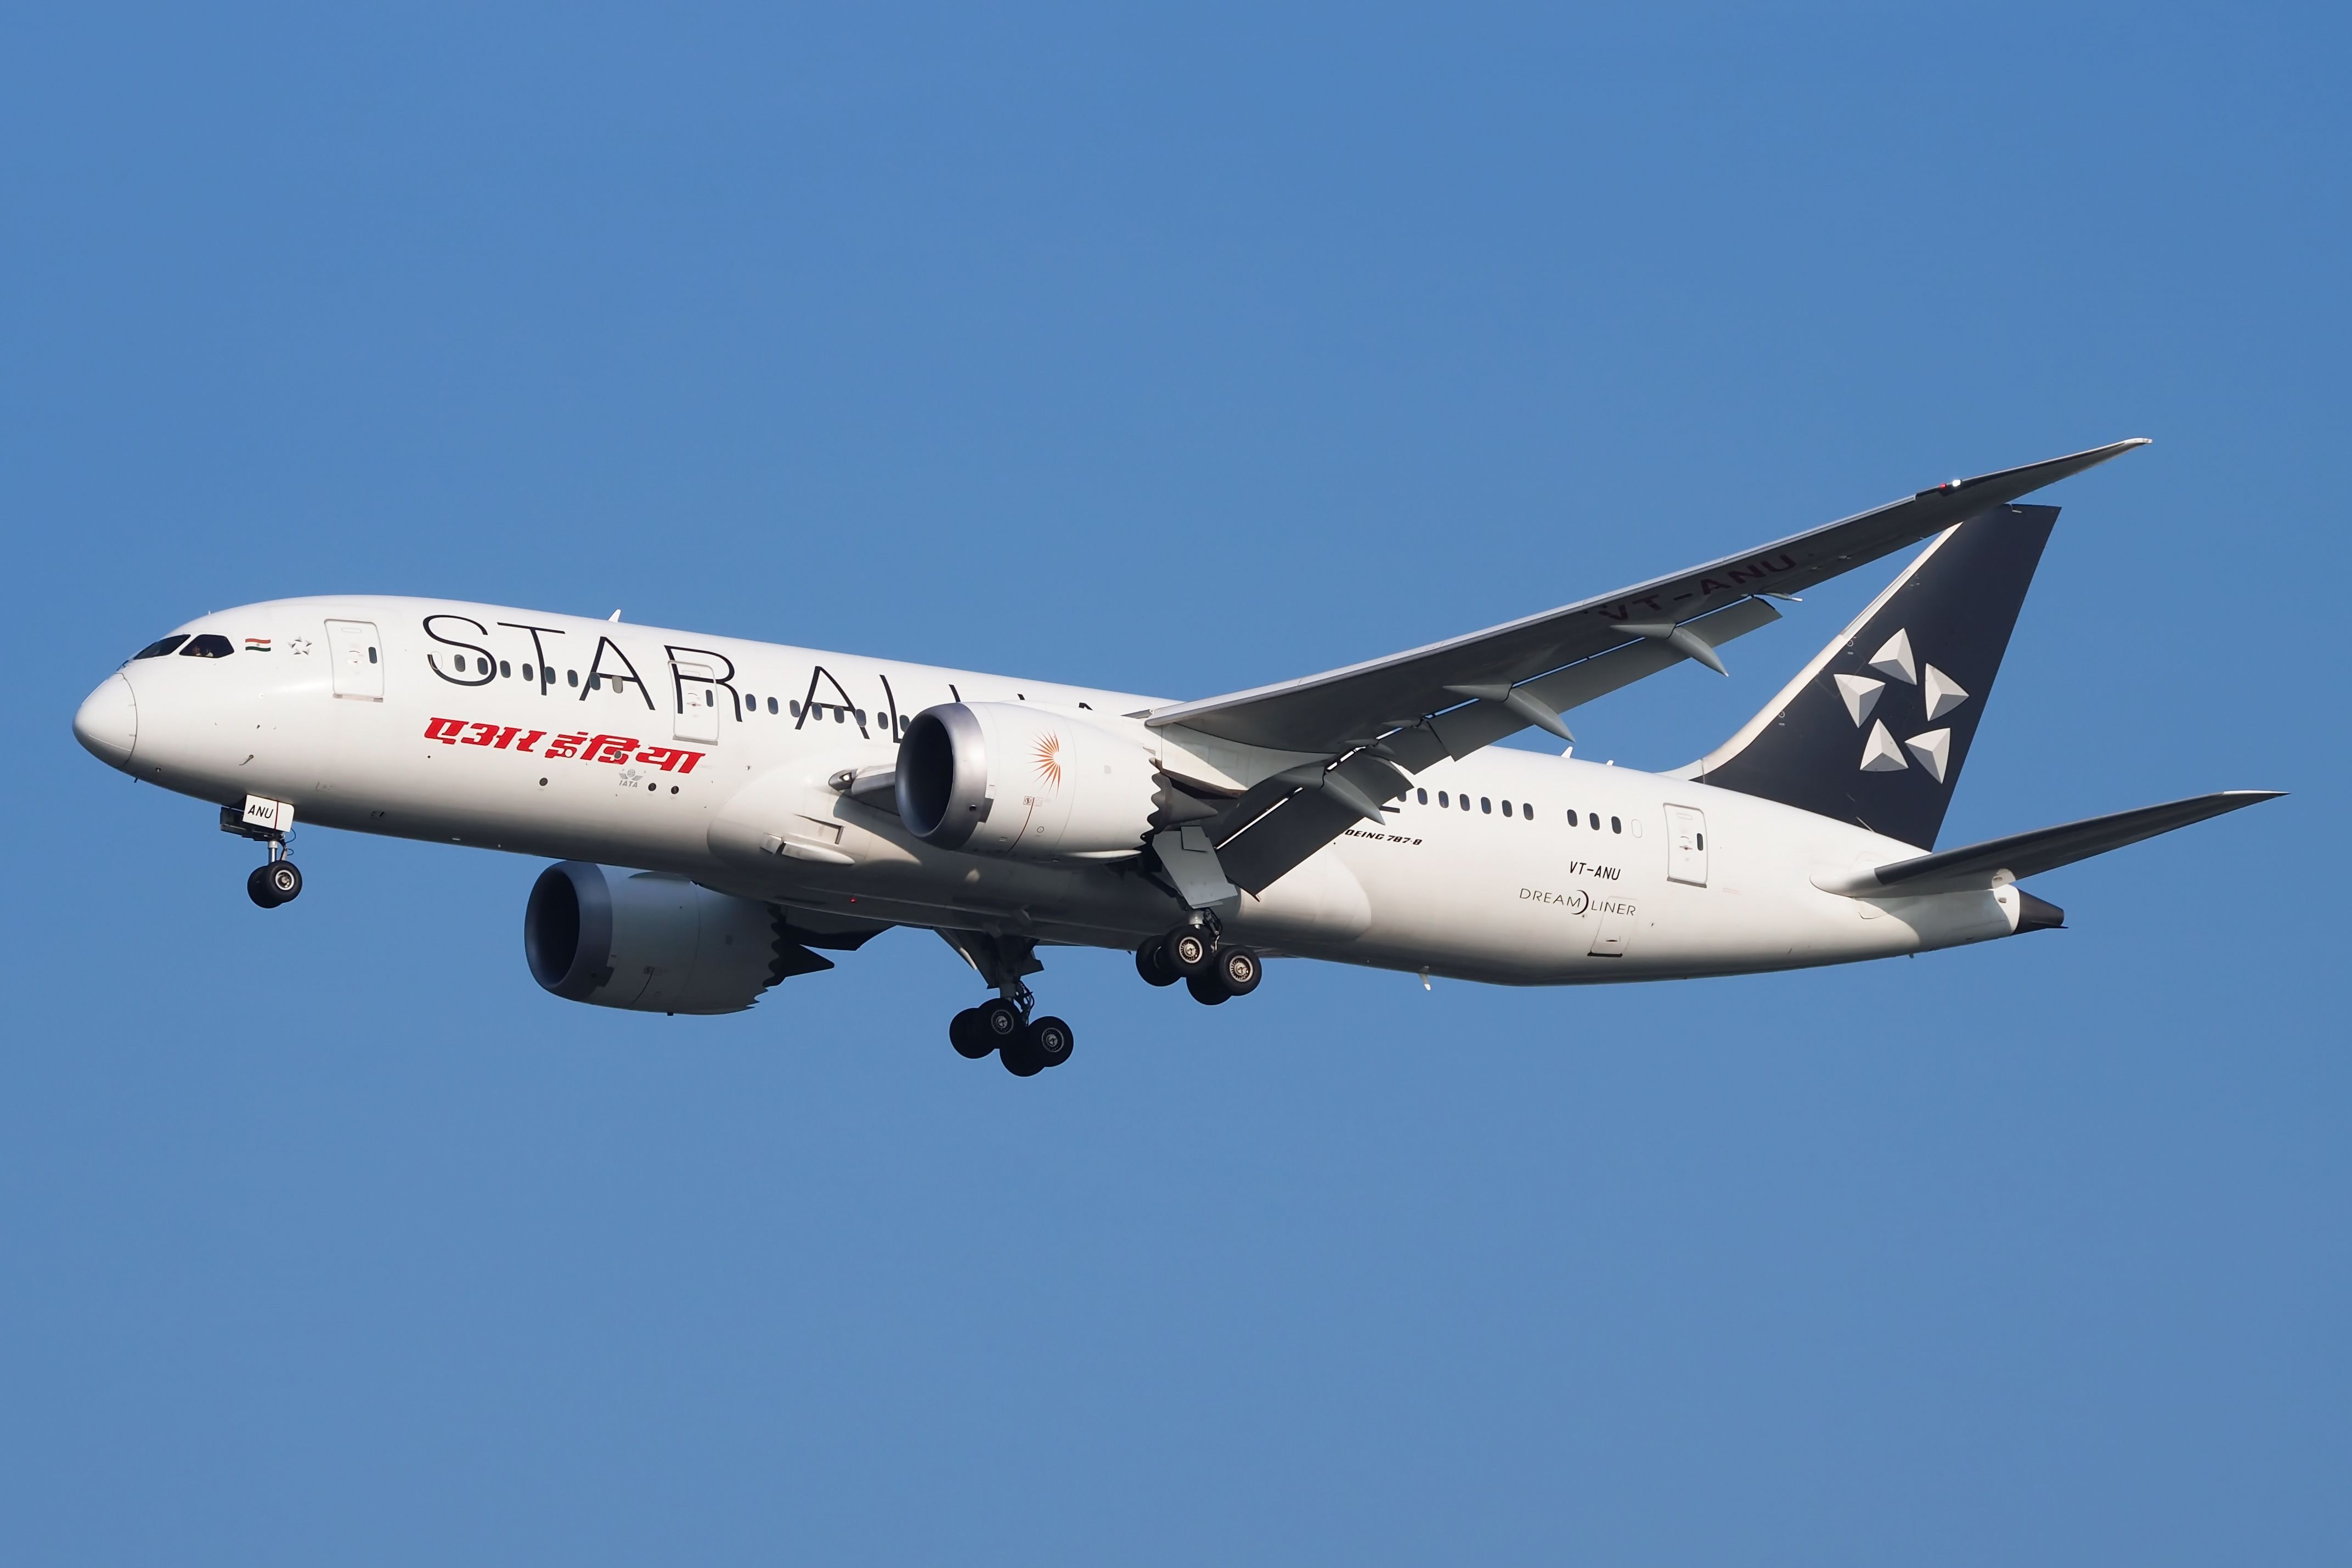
(257, 644)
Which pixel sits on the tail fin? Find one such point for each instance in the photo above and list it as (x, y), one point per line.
(1875, 729)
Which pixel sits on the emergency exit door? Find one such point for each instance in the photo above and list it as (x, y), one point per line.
(356, 658)
(1686, 845)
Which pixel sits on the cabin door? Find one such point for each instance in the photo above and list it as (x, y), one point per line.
(698, 702)
(356, 658)
(1686, 845)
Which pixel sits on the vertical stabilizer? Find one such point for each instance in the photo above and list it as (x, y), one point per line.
(1875, 729)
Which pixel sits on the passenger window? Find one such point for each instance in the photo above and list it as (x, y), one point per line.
(210, 644)
(794, 709)
(1487, 804)
(571, 677)
(1699, 840)
(506, 671)
(1506, 808)
(1571, 817)
(371, 655)
(709, 698)
(1615, 825)
(1443, 800)
(158, 649)
(1423, 795)
(1527, 811)
(1595, 820)
(1465, 803)
(771, 705)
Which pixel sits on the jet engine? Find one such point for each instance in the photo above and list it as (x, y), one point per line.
(1005, 778)
(654, 942)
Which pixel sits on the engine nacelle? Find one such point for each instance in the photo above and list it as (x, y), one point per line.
(650, 942)
(1005, 778)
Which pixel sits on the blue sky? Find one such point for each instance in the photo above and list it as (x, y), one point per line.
(1177, 353)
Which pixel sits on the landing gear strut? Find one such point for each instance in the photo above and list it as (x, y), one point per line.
(277, 881)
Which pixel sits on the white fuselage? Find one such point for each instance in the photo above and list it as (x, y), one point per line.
(442, 737)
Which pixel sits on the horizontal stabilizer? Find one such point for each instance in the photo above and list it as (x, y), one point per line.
(2024, 855)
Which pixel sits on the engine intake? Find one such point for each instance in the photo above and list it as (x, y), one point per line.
(1005, 778)
(654, 942)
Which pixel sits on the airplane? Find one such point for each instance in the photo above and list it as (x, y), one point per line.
(723, 813)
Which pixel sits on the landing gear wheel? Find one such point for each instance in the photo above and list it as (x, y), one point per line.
(1190, 952)
(1021, 1056)
(1000, 1023)
(1152, 962)
(964, 1033)
(1206, 990)
(1238, 971)
(1049, 1040)
(274, 884)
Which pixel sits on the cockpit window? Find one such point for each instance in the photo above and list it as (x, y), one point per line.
(211, 645)
(158, 649)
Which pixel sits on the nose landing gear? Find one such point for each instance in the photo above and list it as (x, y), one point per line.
(277, 881)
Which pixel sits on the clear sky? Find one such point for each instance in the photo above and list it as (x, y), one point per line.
(1177, 352)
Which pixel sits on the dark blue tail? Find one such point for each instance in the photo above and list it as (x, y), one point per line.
(1875, 729)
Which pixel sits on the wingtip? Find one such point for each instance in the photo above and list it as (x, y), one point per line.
(2113, 449)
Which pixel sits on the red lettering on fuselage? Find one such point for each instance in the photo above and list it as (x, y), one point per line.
(579, 744)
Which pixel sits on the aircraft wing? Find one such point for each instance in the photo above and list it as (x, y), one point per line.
(1388, 717)
(1330, 711)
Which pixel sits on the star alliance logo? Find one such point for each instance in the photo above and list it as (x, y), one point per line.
(1933, 748)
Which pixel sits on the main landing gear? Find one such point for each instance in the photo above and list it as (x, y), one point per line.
(1211, 969)
(277, 880)
(1026, 1045)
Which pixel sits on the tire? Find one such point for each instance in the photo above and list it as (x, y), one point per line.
(1000, 1023)
(1239, 971)
(1049, 1040)
(964, 1035)
(1190, 952)
(258, 888)
(1151, 963)
(1020, 1056)
(1206, 990)
(284, 880)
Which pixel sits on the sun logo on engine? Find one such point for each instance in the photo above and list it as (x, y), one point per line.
(1047, 755)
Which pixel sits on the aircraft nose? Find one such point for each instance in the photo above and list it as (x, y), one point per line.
(107, 723)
